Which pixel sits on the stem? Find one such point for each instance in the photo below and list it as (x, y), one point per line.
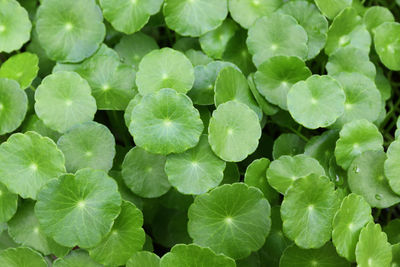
(299, 134)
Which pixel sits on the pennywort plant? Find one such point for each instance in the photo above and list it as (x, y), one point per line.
(186, 133)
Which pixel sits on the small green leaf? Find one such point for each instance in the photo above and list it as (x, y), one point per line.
(392, 166)
(387, 46)
(22, 68)
(78, 210)
(231, 219)
(21, 257)
(331, 8)
(375, 16)
(143, 258)
(288, 144)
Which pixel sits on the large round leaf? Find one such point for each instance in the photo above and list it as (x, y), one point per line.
(372, 248)
(366, 178)
(284, 171)
(22, 68)
(64, 99)
(276, 76)
(21, 257)
(13, 105)
(164, 68)
(353, 214)
(126, 237)
(355, 138)
(387, 45)
(276, 35)
(234, 131)
(166, 122)
(144, 173)
(78, 210)
(70, 30)
(194, 18)
(316, 102)
(308, 209)
(15, 26)
(28, 161)
(231, 219)
(193, 255)
(196, 170)
(88, 145)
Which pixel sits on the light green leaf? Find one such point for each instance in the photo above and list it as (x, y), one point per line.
(166, 122)
(129, 109)
(22, 68)
(387, 46)
(288, 144)
(308, 209)
(64, 99)
(34, 124)
(392, 166)
(143, 258)
(8, 203)
(375, 16)
(21, 257)
(231, 219)
(234, 131)
(331, 8)
(28, 161)
(78, 210)
(77, 258)
(266, 107)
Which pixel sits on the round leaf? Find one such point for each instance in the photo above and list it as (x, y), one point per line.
(392, 166)
(13, 105)
(194, 18)
(308, 209)
(231, 219)
(21, 257)
(164, 68)
(313, 107)
(193, 255)
(88, 145)
(366, 178)
(196, 170)
(288, 144)
(143, 258)
(387, 45)
(126, 236)
(15, 26)
(144, 173)
(28, 162)
(234, 131)
(22, 68)
(353, 214)
(331, 8)
(375, 16)
(166, 122)
(64, 99)
(70, 30)
(276, 35)
(78, 210)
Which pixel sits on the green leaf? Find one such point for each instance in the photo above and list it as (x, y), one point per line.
(88, 145)
(196, 170)
(70, 30)
(24, 229)
(231, 219)
(347, 30)
(194, 18)
(214, 42)
(197, 57)
(375, 16)
(164, 68)
(312, 107)
(34, 124)
(77, 258)
(144, 173)
(366, 178)
(266, 107)
(392, 166)
(372, 248)
(231, 173)
(13, 105)
(8, 203)
(288, 144)
(21, 257)
(129, 109)
(353, 214)
(387, 46)
(234, 131)
(193, 255)
(276, 35)
(383, 84)
(322, 147)
(129, 16)
(126, 237)
(15, 26)
(392, 231)
(78, 210)
(132, 48)
(284, 171)
(277, 75)
(308, 209)
(313, 22)
(143, 258)
(246, 12)
(28, 161)
(331, 8)
(256, 175)
(231, 85)
(166, 122)
(356, 137)
(324, 257)
(22, 68)
(363, 100)
(395, 255)
(63, 100)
